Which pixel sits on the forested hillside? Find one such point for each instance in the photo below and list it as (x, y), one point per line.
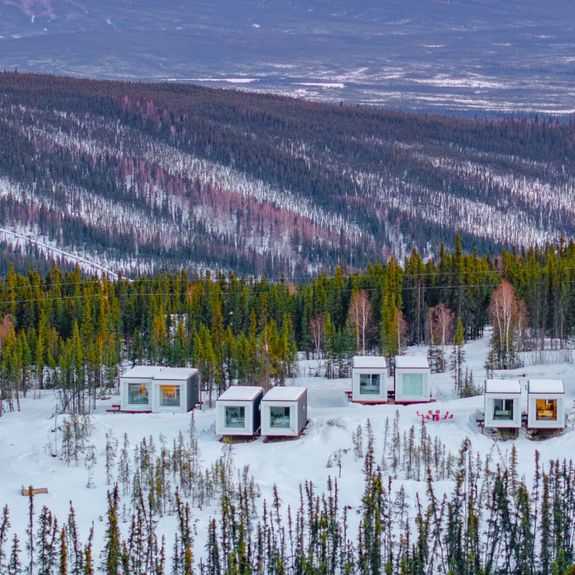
(147, 177)
(72, 332)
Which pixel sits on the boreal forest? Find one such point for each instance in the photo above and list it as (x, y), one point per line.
(72, 331)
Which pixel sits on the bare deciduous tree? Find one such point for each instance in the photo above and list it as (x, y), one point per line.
(440, 333)
(360, 317)
(504, 312)
(441, 324)
(317, 333)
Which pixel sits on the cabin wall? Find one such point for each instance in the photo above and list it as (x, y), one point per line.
(252, 417)
(267, 428)
(356, 373)
(177, 385)
(400, 396)
(124, 394)
(490, 420)
(256, 414)
(302, 412)
(298, 417)
(534, 423)
(193, 393)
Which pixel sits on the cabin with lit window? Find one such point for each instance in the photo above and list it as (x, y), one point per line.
(156, 389)
(284, 411)
(411, 379)
(369, 379)
(238, 411)
(502, 404)
(546, 404)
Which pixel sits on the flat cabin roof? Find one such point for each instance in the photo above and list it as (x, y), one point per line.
(368, 361)
(502, 386)
(546, 386)
(281, 393)
(411, 362)
(240, 393)
(160, 372)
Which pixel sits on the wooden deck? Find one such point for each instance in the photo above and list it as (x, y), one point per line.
(117, 408)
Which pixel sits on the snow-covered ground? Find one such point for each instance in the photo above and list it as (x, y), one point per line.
(27, 441)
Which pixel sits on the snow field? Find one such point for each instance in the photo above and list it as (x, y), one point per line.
(27, 442)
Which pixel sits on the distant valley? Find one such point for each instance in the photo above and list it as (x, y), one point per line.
(469, 57)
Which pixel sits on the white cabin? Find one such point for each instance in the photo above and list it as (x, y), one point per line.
(156, 389)
(284, 411)
(546, 404)
(502, 403)
(238, 411)
(369, 379)
(411, 379)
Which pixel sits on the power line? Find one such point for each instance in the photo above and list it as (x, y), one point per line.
(334, 289)
(277, 280)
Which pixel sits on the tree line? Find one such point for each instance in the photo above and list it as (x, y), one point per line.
(73, 332)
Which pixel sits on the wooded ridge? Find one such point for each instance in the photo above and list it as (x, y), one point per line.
(152, 177)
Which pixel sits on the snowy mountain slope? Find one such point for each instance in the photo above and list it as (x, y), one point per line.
(139, 177)
(458, 55)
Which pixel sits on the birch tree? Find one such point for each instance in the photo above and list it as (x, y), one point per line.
(360, 317)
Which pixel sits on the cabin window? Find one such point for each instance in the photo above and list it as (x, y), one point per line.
(138, 394)
(413, 384)
(170, 395)
(369, 384)
(280, 417)
(546, 409)
(236, 417)
(503, 409)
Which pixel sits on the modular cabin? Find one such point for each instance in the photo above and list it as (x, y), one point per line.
(502, 404)
(411, 379)
(156, 389)
(284, 411)
(546, 404)
(369, 379)
(238, 411)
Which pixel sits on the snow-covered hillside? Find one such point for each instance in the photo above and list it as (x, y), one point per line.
(147, 177)
(329, 448)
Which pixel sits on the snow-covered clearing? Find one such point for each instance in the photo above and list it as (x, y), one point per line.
(27, 441)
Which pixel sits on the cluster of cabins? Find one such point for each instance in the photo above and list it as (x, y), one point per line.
(245, 411)
(370, 383)
(242, 411)
(504, 404)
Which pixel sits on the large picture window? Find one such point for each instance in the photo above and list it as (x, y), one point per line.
(503, 409)
(412, 384)
(369, 384)
(170, 395)
(280, 417)
(138, 394)
(546, 409)
(236, 417)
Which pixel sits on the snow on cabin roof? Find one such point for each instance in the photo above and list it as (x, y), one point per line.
(241, 393)
(502, 386)
(411, 362)
(546, 386)
(160, 372)
(281, 393)
(367, 361)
